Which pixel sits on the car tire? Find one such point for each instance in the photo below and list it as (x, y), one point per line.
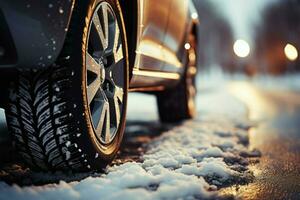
(71, 116)
(178, 103)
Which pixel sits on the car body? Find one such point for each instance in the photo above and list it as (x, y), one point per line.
(62, 58)
(33, 34)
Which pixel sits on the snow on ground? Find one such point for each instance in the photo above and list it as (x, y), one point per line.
(215, 77)
(192, 160)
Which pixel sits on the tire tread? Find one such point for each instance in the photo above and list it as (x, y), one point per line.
(40, 123)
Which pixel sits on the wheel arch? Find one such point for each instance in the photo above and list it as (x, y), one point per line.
(194, 31)
(130, 15)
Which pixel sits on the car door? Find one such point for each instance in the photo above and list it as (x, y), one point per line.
(153, 19)
(175, 35)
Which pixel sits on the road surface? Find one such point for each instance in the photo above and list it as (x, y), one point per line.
(277, 137)
(211, 154)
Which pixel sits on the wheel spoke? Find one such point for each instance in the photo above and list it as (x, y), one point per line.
(119, 94)
(119, 54)
(117, 48)
(118, 99)
(93, 88)
(115, 99)
(102, 119)
(104, 10)
(92, 65)
(106, 129)
(99, 29)
(116, 37)
(99, 113)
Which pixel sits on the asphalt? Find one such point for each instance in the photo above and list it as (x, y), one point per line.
(277, 136)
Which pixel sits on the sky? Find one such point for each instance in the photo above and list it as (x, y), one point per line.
(242, 15)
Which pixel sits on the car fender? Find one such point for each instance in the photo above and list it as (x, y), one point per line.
(37, 30)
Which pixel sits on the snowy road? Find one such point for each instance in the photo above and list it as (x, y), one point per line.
(209, 157)
(277, 137)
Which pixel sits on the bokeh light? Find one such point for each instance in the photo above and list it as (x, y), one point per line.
(291, 52)
(187, 46)
(241, 48)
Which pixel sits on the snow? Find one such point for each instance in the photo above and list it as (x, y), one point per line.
(285, 82)
(61, 11)
(215, 77)
(192, 160)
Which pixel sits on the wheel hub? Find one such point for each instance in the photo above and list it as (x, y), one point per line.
(102, 71)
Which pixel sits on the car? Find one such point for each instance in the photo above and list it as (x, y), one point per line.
(67, 67)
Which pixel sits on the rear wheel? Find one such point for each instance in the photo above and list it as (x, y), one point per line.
(71, 116)
(177, 104)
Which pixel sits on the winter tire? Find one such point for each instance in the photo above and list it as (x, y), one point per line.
(71, 116)
(177, 104)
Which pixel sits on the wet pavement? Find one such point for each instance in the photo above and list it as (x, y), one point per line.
(277, 137)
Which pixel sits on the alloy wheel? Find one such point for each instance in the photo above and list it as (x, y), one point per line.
(105, 73)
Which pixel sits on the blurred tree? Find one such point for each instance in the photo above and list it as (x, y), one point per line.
(216, 38)
(280, 26)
